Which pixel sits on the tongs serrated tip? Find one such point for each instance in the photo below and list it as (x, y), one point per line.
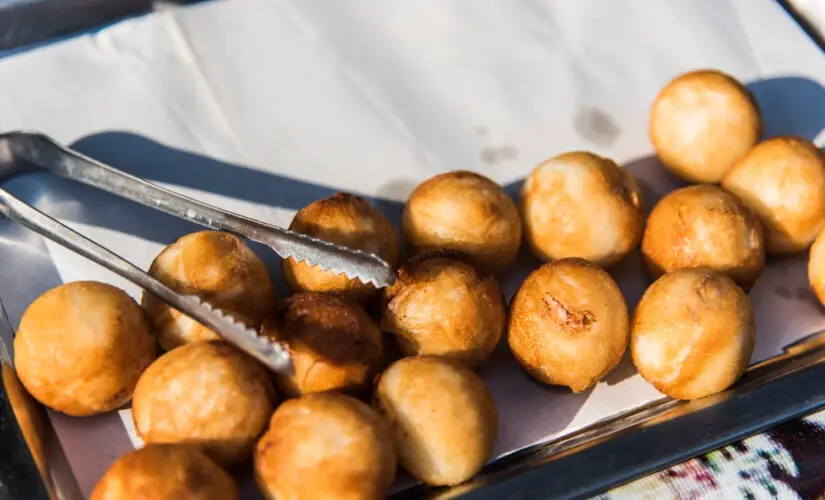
(271, 353)
(366, 267)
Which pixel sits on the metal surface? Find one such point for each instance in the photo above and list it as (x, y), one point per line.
(33, 465)
(42, 152)
(657, 435)
(636, 442)
(19, 473)
(25, 22)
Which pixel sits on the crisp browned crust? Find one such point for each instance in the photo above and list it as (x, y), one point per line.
(325, 445)
(81, 348)
(334, 344)
(443, 419)
(218, 267)
(463, 211)
(444, 303)
(693, 333)
(408, 273)
(348, 220)
(164, 471)
(207, 394)
(704, 226)
(568, 324)
(579, 204)
(702, 123)
(782, 180)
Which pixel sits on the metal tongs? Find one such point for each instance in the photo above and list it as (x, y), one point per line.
(22, 151)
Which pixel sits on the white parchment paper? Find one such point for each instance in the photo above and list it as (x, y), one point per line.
(261, 106)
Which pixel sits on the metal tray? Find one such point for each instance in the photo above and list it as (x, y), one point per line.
(597, 456)
(579, 464)
(24, 22)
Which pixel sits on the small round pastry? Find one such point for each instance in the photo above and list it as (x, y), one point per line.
(568, 324)
(206, 394)
(350, 221)
(333, 343)
(463, 211)
(443, 419)
(816, 267)
(444, 303)
(783, 181)
(693, 333)
(165, 471)
(704, 226)
(702, 123)
(579, 204)
(221, 269)
(81, 348)
(325, 445)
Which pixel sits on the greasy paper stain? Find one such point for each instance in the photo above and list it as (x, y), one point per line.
(398, 188)
(492, 155)
(596, 126)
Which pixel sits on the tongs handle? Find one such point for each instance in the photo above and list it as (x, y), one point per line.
(47, 154)
(270, 354)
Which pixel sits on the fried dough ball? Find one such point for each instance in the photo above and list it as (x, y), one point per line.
(206, 394)
(693, 333)
(350, 221)
(81, 348)
(222, 270)
(165, 471)
(444, 303)
(466, 212)
(702, 123)
(568, 324)
(579, 204)
(325, 445)
(783, 181)
(816, 267)
(704, 226)
(333, 343)
(443, 419)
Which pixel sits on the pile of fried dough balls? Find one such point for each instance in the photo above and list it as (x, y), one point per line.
(202, 407)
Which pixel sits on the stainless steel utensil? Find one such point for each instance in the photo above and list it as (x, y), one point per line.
(41, 152)
(37, 151)
(271, 354)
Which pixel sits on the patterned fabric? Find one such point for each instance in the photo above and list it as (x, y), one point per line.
(787, 461)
